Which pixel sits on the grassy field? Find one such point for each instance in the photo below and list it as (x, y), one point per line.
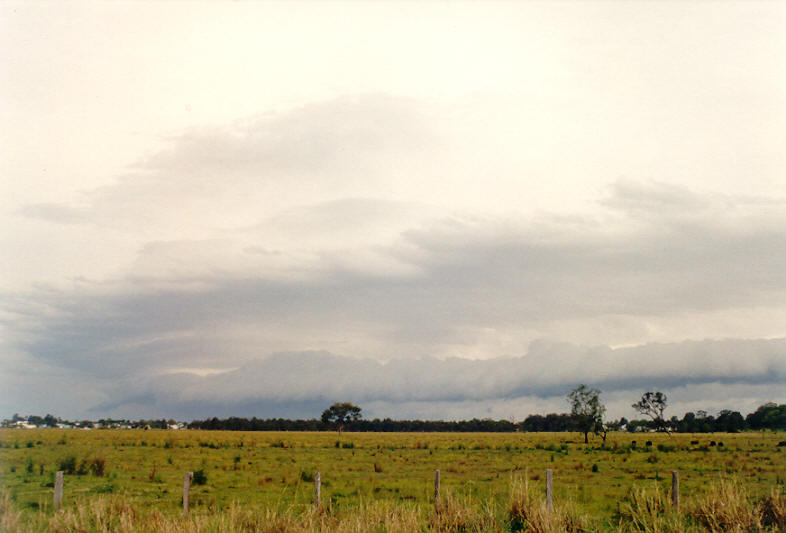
(261, 472)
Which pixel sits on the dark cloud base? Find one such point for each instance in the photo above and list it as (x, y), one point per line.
(301, 384)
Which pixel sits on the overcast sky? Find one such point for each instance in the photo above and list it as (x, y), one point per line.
(435, 210)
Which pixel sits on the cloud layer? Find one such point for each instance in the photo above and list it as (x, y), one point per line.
(367, 226)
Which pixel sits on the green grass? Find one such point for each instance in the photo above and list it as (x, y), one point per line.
(261, 470)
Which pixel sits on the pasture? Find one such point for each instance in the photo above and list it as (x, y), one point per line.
(257, 471)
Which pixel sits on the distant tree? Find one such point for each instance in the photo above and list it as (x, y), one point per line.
(586, 410)
(653, 404)
(729, 421)
(768, 416)
(341, 413)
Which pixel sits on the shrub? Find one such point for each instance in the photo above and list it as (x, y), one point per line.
(200, 478)
(306, 476)
(98, 466)
(67, 464)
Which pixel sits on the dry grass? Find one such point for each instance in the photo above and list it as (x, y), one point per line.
(114, 513)
(453, 515)
(773, 510)
(10, 518)
(725, 507)
(528, 512)
(650, 511)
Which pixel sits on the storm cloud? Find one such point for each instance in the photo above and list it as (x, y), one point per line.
(515, 199)
(454, 310)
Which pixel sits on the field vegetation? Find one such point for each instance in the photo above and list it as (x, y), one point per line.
(131, 480)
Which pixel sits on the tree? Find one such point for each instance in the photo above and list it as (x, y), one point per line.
(586, 410)
(340, 413)
(653, 404)
(768, 416)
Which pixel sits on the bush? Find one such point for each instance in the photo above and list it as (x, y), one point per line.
(308, 477)
(98, 466)
(67, 464)
(200, 478)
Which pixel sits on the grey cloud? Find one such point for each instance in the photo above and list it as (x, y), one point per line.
(658, 199)
(481, 286)
(548, 371)
(465, 276)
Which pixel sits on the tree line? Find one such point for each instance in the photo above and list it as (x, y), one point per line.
(769, 416)
(586, 415)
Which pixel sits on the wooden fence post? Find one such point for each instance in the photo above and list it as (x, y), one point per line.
(58, 489)
(187, 477)
(675, 489)
(548, 490)
(436, 488)
(317, 489)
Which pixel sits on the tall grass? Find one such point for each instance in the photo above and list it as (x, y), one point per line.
(725, 507)
(528, 512)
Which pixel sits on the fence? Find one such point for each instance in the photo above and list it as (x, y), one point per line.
(188, 477)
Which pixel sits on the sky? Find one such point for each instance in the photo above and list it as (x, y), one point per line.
(433, 210)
